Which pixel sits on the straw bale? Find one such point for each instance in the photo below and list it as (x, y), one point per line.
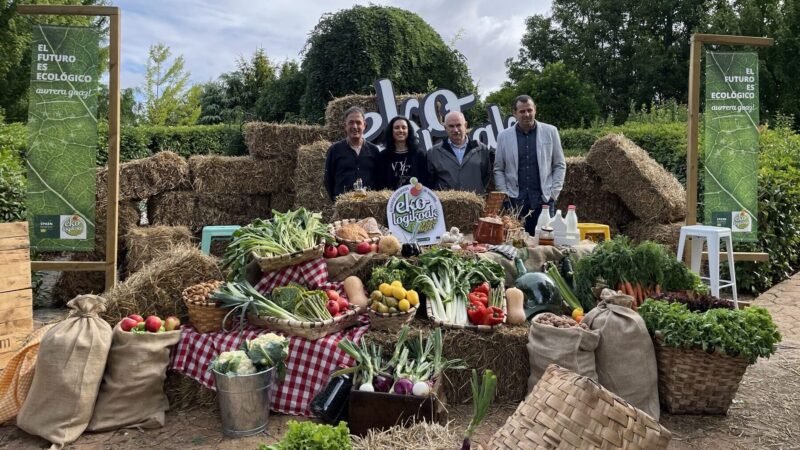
(237, 175)
(420, 436)
(648, 190)
(196, 210)
(461, 209)
(278, 142)
(308, 179)
(334, 112)
(143, 178)
(664, 234)
(284, 201)
(157, 287)
(71, 284)
(185, 393)
(128, 217)
(594, 204)
(145, 244)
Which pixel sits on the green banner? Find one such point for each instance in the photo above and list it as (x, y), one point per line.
(62, 138)
(731, 143)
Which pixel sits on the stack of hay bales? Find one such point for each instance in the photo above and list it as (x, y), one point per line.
(278, 142)
(309, 176)
(143, 178)
(145, 244)
(334, 111)
(461, 209)
(650, 192)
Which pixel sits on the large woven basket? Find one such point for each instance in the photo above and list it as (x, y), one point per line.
(391, 322)
(569, 411)
(309, 330)
(273, 263)
(691, 381)
(351, 244)
(204, 316)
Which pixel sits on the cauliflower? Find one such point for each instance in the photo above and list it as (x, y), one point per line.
(233, 363)
(268, 351)
(265, 339)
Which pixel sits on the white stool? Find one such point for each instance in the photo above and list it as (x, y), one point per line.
(713, 236)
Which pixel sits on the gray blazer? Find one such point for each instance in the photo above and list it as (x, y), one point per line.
(552, 166)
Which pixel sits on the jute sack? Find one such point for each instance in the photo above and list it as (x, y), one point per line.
(626, 359)
(16, 379)
(571, 348)
(72, 358)
(132, 393)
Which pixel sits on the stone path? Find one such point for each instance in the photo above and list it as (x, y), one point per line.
(783, 302)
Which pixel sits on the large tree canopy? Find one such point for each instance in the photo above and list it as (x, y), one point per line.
(347, 51)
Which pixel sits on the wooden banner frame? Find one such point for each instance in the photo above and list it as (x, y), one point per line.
(697, 42)
(109, 266)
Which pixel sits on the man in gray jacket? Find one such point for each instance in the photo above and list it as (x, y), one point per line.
(458, 163)
(529, 163)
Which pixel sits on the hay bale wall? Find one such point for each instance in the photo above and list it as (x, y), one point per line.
(664, 234)
(308, 179)
(196, 210)
(128, 217)
(157, 287)
(583, 188)
(146, 177)
(237, 175)
(648, 190)
(146, 244)
(71, 284)
(279, 142)
(335, 109)
(461, 209)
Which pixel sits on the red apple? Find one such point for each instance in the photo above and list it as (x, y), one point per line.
(127, 324)
(332, 295)
(152, 324)
(343, 304)
(363, 248)
(172, 323)
(137, 318)
(343, 250)
(330, 252)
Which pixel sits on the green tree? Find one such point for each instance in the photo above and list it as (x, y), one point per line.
(212, 103)
(167, 98)
(127, 105)
(246, 84)
(348, 50)
(15, 50)
(280, 102)
(562, 99)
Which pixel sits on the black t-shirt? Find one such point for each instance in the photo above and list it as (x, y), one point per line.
(397, 169)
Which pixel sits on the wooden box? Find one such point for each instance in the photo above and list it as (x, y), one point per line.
(380, 410)
(16, 297)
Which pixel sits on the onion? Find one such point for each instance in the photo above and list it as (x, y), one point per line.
(382, 383)
(421, 388)
(366, 387)
(403, 386)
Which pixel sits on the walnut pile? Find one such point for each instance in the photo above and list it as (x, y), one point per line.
(558, 321)
(201, 293)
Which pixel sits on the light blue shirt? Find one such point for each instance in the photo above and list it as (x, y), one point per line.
(459, 151)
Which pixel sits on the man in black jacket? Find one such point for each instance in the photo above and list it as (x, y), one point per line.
(351, 159)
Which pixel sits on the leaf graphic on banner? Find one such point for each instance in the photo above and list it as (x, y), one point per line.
(62, 130)
(731, 136)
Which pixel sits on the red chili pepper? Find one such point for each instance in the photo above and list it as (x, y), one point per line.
(483, 287)
(478, 297)
(476, 313)
(493, 316)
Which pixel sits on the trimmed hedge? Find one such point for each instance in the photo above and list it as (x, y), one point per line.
(13, 143)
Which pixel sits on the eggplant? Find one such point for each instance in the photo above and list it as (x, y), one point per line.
(409, 250)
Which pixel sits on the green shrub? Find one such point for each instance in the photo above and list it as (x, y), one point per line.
(577, 141)
(133, 143)
(13, 142)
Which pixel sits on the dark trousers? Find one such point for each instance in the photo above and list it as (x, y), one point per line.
(533, 217)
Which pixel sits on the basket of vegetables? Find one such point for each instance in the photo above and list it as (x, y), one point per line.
(391, 306)
(702, 354)
(292, 310)
(204, 314)
(287, 239)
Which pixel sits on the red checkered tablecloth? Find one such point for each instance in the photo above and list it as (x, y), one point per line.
(310, 363)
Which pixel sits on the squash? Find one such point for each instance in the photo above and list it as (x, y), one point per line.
(514, 300)
(389, 245)
(354, 289)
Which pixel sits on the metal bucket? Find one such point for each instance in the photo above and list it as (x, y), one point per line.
(244, 402)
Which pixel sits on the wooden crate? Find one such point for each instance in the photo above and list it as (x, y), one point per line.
(16, 296)
(380, 410)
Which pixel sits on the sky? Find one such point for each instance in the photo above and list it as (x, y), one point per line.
(212, 35)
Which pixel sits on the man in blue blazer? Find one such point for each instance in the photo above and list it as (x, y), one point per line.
(529, 163)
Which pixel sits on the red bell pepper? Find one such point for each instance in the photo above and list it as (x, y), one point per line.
(476, 313)
(483, 287)
(478, 297)
(493, 316)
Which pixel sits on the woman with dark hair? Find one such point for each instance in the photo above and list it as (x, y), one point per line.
(402, 159)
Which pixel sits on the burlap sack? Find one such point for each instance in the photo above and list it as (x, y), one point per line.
(72, 358)
(626, 359)
(132, 393)
(570, 348)
(16, 378)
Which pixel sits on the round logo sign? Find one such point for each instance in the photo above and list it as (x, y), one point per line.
(74, 226)
(741, 220)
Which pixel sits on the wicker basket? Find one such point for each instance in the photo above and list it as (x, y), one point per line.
(391, 322)
(309, 330)
(273, 263)
(691, 381)
(566, 410)
(350, 243)
(468, 326)
(205, 317)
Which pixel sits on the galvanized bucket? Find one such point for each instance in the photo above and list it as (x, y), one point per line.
(244, 402)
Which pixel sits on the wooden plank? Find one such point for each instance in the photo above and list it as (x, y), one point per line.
(74, 10)
(77, 266)
(16, 305)
(14, 229)
(15, 271)
(742, 256)
(724, 39)
(112, 219)
(14, 243)
(16, 325)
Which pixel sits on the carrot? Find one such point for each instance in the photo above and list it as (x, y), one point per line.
(639, 293)
(629, 288)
